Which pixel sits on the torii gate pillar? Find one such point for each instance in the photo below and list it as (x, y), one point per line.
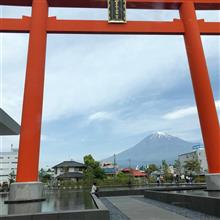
(27, 186)
(203, 94)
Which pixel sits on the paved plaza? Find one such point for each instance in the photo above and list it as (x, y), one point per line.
(140, 208)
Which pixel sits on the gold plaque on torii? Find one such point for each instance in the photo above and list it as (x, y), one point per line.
(117, 11)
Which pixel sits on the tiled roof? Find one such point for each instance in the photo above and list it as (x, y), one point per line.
(70, 164)
(136, 173)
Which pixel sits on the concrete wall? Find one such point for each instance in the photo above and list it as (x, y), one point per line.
(61, 170)
(67, 215)
(129, 192)
(208, 205)
(125, 192)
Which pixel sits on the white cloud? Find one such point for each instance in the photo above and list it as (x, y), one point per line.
(93, 80)
(181, 113)
(86, 73)
(100, 116)
(185, 112)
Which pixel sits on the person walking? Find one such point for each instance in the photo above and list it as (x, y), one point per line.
(158, 180)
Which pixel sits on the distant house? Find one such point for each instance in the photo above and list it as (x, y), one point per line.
(109, 168)
(133, 172)
(69, 170)
(157, 173)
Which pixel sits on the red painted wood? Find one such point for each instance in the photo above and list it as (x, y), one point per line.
(138, 4)
(202, 87)
(30, 133)
(10, 25)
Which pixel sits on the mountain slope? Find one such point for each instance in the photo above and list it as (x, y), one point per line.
(153, 149)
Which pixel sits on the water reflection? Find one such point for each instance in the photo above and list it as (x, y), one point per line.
(67, 200)
(56, 200)
(198, 193)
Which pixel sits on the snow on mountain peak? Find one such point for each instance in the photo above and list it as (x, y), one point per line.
(159, 134)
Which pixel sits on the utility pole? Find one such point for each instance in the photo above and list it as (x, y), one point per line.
(114, 165)
(129, 181)
(129, 161)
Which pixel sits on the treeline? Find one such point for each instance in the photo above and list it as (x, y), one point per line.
(94, 173)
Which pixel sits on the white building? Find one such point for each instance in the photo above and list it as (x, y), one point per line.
(69, 170)
(8, 165)
(171, 169)
(197, 153)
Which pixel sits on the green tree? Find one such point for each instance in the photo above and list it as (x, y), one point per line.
(41, 174)
(177, 166)
(11, 177)
(192, 166)
(44, 176)
(93, 170)
(166, 171)
(151, 168)
(165, 167)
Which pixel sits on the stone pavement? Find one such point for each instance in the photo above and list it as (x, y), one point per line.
(137, 210)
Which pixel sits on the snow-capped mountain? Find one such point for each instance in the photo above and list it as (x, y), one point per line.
(153, 149)
(159, 134)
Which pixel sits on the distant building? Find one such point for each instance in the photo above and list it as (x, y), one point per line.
(196, 153)
(109, 168)
(8, 165)
(49, 172)
(157, 173)
(69, 170)
(133, 172)
(171, 169)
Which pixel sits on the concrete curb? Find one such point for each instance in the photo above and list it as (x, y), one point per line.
(207, 205)
(101, 213)
(130, 192)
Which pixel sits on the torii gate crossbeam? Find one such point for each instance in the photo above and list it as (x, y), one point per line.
(39, 25)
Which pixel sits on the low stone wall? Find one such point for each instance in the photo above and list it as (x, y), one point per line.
(131, 191)
(207, 205)
(180, 187)
(124, 192)
(101, 213)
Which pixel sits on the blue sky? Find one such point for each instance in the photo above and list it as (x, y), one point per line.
(104, 93)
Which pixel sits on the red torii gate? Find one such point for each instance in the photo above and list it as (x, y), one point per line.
(39, 24)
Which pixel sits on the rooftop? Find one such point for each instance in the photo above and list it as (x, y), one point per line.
(192, 152)
(133, 172)
(70, 163)
(8, 126)
(12, 152)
